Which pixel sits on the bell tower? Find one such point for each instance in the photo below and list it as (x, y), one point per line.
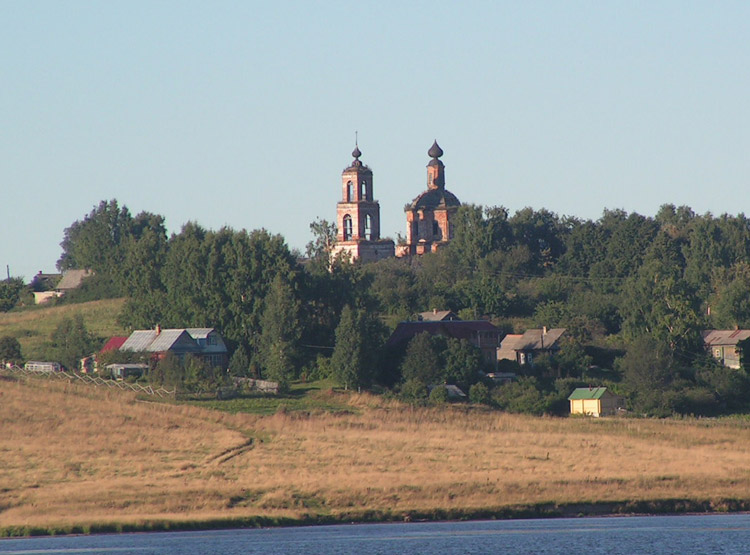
(358, 215)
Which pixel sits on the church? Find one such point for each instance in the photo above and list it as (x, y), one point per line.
(429, 216)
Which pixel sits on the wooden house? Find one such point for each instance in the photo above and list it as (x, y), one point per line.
(722, 344)
(595, 401)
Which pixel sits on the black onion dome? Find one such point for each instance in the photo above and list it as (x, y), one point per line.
(434, 199)
(356, 152)
(435, 150)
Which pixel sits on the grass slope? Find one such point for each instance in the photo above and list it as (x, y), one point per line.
(79, 458)
(34, 325)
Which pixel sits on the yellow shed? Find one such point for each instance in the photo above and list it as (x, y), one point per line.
(594, 401)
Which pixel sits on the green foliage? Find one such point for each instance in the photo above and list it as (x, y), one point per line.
(239, 363)
(10, 293)
(320, 249)
(280, 334)
(10, 350)
(168, 371)
(462, 363)
(422, 361)
(479, 394)
(523, 395)
(71, 341)
(413, 391)
(439, 395)
(649, 372)
(352, 363)
(199, 377)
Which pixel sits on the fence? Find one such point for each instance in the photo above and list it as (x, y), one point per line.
(96, 381)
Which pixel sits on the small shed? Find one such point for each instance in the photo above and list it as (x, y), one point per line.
(595, 401)
(123, 371)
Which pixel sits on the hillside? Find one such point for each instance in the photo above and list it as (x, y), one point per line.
(33, 326)
(73, 455)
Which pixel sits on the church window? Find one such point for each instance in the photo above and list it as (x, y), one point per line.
(349, 191)
(347, 227)
(435, 230)
(415, 229)
(368, 227)
(363, 191)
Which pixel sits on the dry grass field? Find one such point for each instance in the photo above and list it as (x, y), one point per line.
(33, 326)
(70, 454)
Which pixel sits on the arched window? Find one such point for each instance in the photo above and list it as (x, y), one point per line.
(368, 227)
(363, 191)
(435, 230)
(349, 191)
(347, 228)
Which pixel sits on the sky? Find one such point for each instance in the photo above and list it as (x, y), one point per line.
(243, 114)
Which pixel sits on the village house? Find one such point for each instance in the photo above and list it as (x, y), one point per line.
(436, 315)
(42, 284)
(722, 344)
(482, 334)
(524, 348)
(204, 343)
(595, 401)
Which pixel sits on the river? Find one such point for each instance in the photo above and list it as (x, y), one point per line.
(610, 535)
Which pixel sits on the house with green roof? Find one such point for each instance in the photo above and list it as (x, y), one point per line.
(595, 401)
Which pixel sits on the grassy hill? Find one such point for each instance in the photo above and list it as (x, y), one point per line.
(78, 458)
(34, 325)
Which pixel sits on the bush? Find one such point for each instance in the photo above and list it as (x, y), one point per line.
(479, 394)
(413, 391)
(439, 395)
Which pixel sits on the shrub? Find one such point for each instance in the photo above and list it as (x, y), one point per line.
(439, 395)
(413, 391)
(479, 394)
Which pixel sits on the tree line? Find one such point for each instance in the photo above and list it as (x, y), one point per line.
(630, 289)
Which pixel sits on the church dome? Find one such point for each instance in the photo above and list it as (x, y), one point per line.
(435, 150)
(434, 199)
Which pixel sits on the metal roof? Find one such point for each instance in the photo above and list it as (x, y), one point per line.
(538, 340)
(587, 393)
(72, 279)
(724, 337)
(459, 329)
(183, 340)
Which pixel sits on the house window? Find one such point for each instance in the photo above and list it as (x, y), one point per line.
(368, 227)
(717, 353)
(347, 228)
(349, 191)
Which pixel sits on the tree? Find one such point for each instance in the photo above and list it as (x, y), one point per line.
(280, 333)
(168, 371)
(10, 293)
(320, 249)
(462, 363)
(71, 341)
(10, 350)
(347, 362)
(96, 241)
(239, 363)
(648, 370)
(479, 394)
(421, 362)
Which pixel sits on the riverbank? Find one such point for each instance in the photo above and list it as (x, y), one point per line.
(546, 510)
(75, 459)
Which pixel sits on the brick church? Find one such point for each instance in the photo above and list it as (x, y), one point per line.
(428, 216)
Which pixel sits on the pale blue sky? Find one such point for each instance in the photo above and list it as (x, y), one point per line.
(243, 113)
